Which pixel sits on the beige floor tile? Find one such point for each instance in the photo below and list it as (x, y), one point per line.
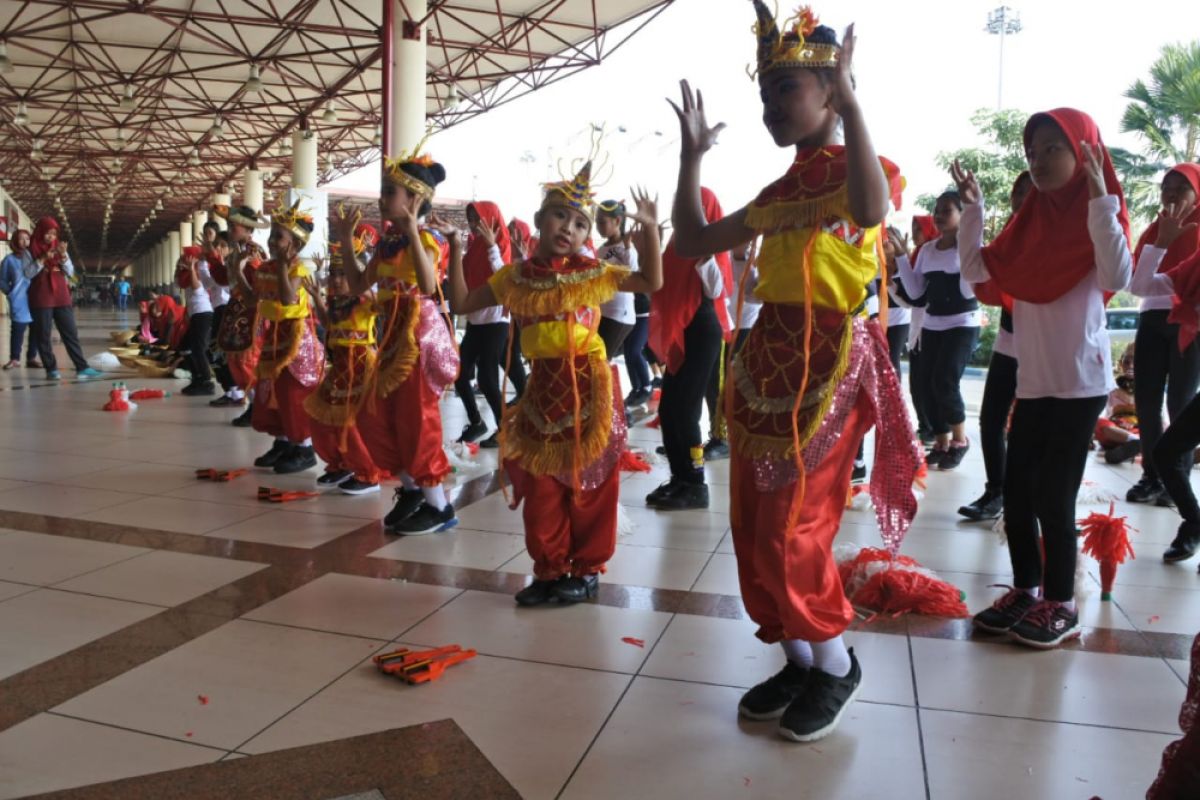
(50, 753)
(44, 559)
(584, 635)
(950, 551)
(370, 607)
(170, 514)
(674, 739)
(639, 566)
(6, 484)
(533, 722)
(241, 491)
(162, 577)
(1150, 572)
(681, 530)
(725, 652)
(141, 478)
(250, 673)
(1057, 686)
(492, 514)
(288, 528)
(43, 624)
(720, 576)
(456, 547)
(8, 590)
(1181, 668)
(726, 544)
(40, 440)
(634, 491)
(990, 758)
(1093, 613)
(60, 501)
(23, 465)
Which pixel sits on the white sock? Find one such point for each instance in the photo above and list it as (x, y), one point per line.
(798, 651)
(832, 657)
(307, 442)
(435, 496)
(1070, 605)
(235, 393)
(1034, 592)
(407, 481)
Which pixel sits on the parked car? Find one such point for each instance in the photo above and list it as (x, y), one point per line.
(1122, 325)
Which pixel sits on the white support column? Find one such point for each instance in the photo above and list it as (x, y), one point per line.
(304, 160)
(304, 189)
(164, 265)
(185, 233)
(252, 189)
(172, 255)
(407, 124)
(199, 218)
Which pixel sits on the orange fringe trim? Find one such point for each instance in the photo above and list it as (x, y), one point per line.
(344, 414)
(270, 369)
(796, 213)
(525, 300)
(387, 377)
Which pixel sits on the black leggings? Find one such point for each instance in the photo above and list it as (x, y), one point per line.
(1160, 367)
(944, 357)
(482, 354)
(1173, 458)
(1048, 449)
(712, 397)
(917, 390)
(199, 332)
(683, 396)
(999, 391)
(635, 360)
(613, 334)
(45, 320)
(897, 339)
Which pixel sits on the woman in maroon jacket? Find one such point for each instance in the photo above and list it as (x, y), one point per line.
(50, 299)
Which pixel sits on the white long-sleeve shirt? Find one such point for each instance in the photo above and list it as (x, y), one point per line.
(35, 266)
(1062, 347)
(620, 308)
(1154, 296)
(932, 259)
(492, 314)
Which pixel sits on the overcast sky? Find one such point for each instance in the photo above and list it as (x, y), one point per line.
(922, 68)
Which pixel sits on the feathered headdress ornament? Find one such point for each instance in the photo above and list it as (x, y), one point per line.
(293, 220)
(393, 169)
(791, 48)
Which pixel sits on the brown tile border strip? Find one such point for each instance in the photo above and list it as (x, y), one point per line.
(433, 761)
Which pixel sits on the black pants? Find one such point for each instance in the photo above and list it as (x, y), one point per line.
(16, 338)
(712, 397)
(897, 339)
(482, 354)
(1160, 367)
(62, 318)
(515, 366)
(1048, 449)
(217, 359)
(1174, 447)
(944, 357)
(635, 360)
(614, 334)
(916, 390)
(999, 391)
(199, 334)
(683, 393)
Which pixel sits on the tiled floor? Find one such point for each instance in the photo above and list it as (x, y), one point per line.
(152, 622)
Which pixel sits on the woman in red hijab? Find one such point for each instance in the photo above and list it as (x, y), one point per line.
(50, 299)
(1059, 258)
(1160, 364)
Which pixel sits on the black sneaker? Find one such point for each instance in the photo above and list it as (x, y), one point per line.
(491, 442)
(716, 450)
(536, 593)
(990, 505)
(858, 475)
(954, 456)
(686, 496)
(225, 401)
(1187, 539)
(656, 383)
(576, 588)
(1048, 624)
(427, 519)
(297, 459)
(933, 459)
(243, 420)
(1145, 490)
(199, 389)
(1125, 451)
(277, 451)
(407, 501)
(769, 699)
(1005, 612)
(1164, 500)
(472, 432)
(637, 398)
(356, 487)
(819, 707)
(334, 477)
(664, 490)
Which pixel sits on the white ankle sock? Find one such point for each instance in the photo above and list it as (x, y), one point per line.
(1070, 605)
(1034, 592)
(832, 657)
(306, 443)
(798, 651)
(435, 496)
(407, 481)
(235, 394)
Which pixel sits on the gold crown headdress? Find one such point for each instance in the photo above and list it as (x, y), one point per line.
(293, 220)
(790, 49)
(393, 172)
(576, 192)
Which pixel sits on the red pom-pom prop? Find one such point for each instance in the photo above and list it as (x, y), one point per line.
(1106, 539)
(633, 462)
(874, 579)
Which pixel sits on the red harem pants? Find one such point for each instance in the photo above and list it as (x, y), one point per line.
(279, 408)
(403, 432)
(343, 449)
(242, 366)
(790, 583)
(567, 531)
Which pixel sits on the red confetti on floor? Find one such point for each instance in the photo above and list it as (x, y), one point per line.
(1154, 619)
(633, 641)
(203, 698)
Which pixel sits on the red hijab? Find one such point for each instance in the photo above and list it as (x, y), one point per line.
(673, 306)
(928, 228)
(1189, 241)
(477, 268)
(1045, 250)
(37, 245)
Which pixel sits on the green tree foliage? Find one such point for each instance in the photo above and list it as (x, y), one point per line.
(1139, 176)
(1165, 112)
(996, 164)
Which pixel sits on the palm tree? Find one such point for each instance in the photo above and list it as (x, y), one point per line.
(1166, 112)
(1139, 176)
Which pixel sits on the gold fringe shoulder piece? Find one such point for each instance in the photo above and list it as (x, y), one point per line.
(804, 213)
(562, 293)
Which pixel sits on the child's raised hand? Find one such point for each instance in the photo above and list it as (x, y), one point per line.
(695, 136)
(895, 246)
(345, 223)
(1093, 167)
(842, 96)
(310, 286)
(964, 180)
(646, 208)
(486, 232)
(445, 227)
(1171, 223)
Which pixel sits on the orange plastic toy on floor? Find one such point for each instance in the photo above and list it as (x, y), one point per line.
(421, 666)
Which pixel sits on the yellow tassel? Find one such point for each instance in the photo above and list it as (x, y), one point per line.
(796, 213)
(526, 300)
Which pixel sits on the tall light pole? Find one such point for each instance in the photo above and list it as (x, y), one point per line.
(1003, 21)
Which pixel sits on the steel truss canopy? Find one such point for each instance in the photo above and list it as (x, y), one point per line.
(110, 109)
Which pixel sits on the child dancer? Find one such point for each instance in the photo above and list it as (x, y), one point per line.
(813, 375)
(949, 331)
(562, 441)
(1056, 258)
(349, 322)
(618, 315)
(400, 422)
(291, 360)
(1161, 365)
(196, 280)
(238, 336)
(923, 230)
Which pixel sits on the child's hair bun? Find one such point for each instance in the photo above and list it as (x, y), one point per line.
(823, 34)
(437, 172)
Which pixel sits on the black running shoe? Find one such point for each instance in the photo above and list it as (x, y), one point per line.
(356, 487)
(858, 475)
(1125, 451)
(297, 459)
(427, 519)
(491, 442)
(576, 588)
(407, 501)
(472, 431)
(1006, 612)
(990, 505)
(933, 459)
(278, 450)
(1048, 624)
(536, 593)
(664, 490)
(686, 496)
(819, 707)
(769, 699)
(716, 450)
(1187, 539)
(1145, 490)
(334, 477)
(954, 456)
(199, 389)
(243, 420)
